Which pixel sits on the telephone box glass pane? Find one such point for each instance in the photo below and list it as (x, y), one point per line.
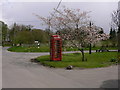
(57, 49)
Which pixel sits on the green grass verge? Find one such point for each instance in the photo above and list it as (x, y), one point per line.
(29, 49)
(95, 60)
(93, 48)
(45, 49)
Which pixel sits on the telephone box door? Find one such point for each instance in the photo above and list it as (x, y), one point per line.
(55, 48)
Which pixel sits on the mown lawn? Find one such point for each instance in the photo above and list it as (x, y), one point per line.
(45, 48)
(93, 48)
(95, 60)
(29, 49)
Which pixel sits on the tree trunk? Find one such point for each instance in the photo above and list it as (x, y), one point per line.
(20, 44)
(90, 48)
(83, 55)
(118, 39)
(3, 43)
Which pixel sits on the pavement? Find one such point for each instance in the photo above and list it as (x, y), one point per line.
(19, 72)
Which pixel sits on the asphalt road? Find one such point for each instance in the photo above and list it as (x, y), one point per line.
(19, 72)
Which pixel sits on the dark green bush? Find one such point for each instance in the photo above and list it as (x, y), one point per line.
(113, 60)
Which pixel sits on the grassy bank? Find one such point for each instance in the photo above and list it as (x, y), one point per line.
(94, 60)
(45, 49)
(29, 49)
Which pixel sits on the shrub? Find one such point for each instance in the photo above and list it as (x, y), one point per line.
(113, 60)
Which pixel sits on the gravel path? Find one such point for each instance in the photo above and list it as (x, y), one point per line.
(19, 72)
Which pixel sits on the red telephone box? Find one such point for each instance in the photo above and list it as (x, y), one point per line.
(55, 48)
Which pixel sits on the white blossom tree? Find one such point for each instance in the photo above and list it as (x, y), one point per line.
(73, 25)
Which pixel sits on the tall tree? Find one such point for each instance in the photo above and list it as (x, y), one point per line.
(113, 37)
(13, 31)
(17, 28)
(23, 37)
(0, 33)
(116, 21)
(4, 32)
(40, 35)
(111, 31)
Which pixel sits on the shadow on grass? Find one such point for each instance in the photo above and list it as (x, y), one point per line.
(110, 84)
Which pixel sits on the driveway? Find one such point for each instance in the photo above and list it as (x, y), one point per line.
(19, 72)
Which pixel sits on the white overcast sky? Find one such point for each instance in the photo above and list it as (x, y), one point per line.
(21, 12)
